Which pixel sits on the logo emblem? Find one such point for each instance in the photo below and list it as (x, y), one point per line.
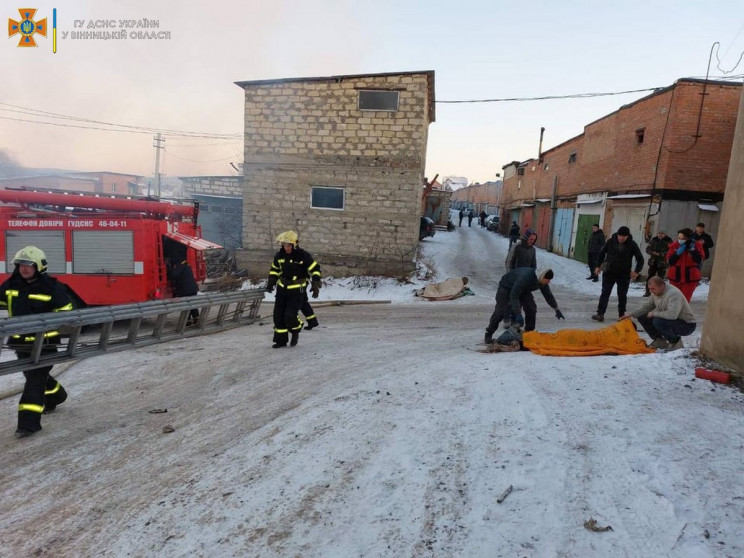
(27, 27)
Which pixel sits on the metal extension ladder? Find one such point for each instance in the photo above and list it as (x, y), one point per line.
(105, 329)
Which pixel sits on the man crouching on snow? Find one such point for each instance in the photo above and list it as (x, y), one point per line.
(666, 317)
(515, 293)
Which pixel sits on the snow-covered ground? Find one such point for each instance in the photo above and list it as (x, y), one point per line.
(384, 433)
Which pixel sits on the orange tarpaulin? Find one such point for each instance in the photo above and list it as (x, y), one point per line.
(620, 338)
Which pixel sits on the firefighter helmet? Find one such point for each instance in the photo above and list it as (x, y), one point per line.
(31, 255)
(288, 237)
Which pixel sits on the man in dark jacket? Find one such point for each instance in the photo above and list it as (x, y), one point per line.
(657, 263)
(596, 243)
(184, 284)
(461, 215)
(483, 216)
(470, 217)
(515, 293)
(523, 253)
(29, 290)
(513, 233)
(615, 260)
(290, 270)
(703, 237)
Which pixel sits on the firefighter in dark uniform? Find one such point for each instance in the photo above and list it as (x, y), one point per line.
(184, 284)
(290, 270)
(29, 290)
(306, 308)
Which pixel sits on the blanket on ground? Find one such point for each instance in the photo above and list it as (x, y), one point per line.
(620, 338)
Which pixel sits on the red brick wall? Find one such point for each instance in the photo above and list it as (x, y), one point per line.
(609, 157)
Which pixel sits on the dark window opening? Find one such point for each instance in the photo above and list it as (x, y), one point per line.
(378, 100)
(520, 171)
(572, 157)
(640, 135)
(324, 197)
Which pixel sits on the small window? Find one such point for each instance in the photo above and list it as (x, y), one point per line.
(520, 171)
(572, 157)
(546, 166)
(325, 197)
(378, 100)
(113, 188)
(640, 135)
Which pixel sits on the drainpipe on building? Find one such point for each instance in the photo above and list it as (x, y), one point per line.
(539, 149)
(553, 209)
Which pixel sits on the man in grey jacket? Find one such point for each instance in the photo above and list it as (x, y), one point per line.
(666, 317)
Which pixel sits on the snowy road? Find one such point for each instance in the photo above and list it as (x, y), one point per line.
(384, 433)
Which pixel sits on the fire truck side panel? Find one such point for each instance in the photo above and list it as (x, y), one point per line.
(101, 267)
(107, 251)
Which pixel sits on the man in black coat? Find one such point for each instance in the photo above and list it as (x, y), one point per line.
(29, 290)
(513, 233)
(703, 237)
(596, 243)
(515, 293)
(615, 260)
(184, 284)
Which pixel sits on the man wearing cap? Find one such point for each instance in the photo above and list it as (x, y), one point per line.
(615, 263)
(29, 290)
(515, 292)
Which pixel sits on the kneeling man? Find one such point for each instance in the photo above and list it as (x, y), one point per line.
(666, 316)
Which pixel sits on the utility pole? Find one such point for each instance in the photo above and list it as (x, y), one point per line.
(158, 144)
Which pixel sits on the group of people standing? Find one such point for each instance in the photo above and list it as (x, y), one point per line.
(680, 259)
(470, 216)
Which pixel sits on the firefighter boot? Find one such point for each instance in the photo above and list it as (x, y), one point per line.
(54, 394)
(295, 338)
(280, 339)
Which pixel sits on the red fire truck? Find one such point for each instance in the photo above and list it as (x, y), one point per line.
(107, 250)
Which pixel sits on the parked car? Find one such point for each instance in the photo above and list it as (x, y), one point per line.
(492, 223)
(426, 228)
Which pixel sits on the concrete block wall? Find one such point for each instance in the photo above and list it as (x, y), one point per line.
(213, 185)
(301, 133)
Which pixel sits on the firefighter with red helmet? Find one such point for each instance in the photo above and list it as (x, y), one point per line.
(290, 270)
(29, 290)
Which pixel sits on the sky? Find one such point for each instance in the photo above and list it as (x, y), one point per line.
(384, 433)
(478, 50)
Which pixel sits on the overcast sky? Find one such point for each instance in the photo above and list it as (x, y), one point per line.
(479, 50)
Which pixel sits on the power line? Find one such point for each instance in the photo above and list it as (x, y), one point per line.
(119, 127)
(570, 96)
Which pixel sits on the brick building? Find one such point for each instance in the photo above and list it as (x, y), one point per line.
(659, 163)
(478, 197)
(339, 159)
